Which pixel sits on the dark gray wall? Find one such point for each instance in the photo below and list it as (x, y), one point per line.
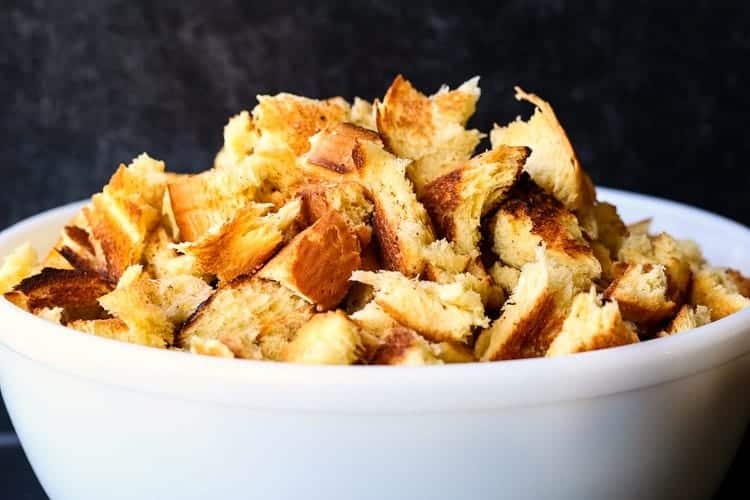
(654, 98)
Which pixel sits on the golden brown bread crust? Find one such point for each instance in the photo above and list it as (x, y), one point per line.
(245, 243)
(687, 318)
(457, 200)
(333, 147)
(77, 292)
(428, 130)
(292, 120)
(553, 163)
(242, 312)
(402, 346)
(318, 262)
(110, 328)
(529, 217)
(347, 198)
(719, 289)
(591, 325)
(642, 293)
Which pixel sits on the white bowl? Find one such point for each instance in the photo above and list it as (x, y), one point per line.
(662, 419)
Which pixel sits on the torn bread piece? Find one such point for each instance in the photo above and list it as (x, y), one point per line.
(402, 346)
(240, 312)
(400, 221)
(287, 120)
(642, 293)
(553, 163)
(76, 292)
(457, 200)
(530, 217)
(326, 339)
(687, 318)
(611, 230)
(332, 148)
(347, 198)
(722, 290)
(532, 315)
(160, 258)
(428, 130)
(240, 137)
(362, 114)
(126, 211)
(373, 319)
(438, 311)
(17, 265)
(152, 309)
(318, 262)
(210, 347)
(110, 328)
(591, 325)
(506, 277)
(243, 244)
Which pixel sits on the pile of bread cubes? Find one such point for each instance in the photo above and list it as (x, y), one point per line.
(370, 233)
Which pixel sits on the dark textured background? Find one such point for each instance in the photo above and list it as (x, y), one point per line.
(654, 98)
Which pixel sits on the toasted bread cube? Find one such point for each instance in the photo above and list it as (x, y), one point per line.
(19, 264)
(153, 308)
(611, 230)
(720, 290)
(687, 318)
(373, 319)
(346, 198)
(458, 199)
(533, 314)
(363, 114)
(162, 260)
(210, 347)
(326, 339)
(76, 292)
(332, 148)
(240, 137)
(428, 130)
(553, 163)
(401, 224)
(286, 120)
(438, 311)
(402, 346)
(454, 352)
(530, 217)
(115, 329)
(642, 293)
(244, 244)
(591, 325)
(76, 247)
(318, 262)
(240, 312)
(506, 277)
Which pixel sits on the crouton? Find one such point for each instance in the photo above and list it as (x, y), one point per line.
(286, 120)
(152, 309)
(454, 352)
(553, 163)
(363, 114)
(591, 325)
(76, 247)
(611, 230)
(373, 319)
(642, 293)
(506, 277)
(532, 315)
(346, 198)
(401, 224)
(458, 199)
(240, 137)
(240, 312)
(402, 346)
(332, 148)
(19, 264)
(125, 212)
(244, 243)
(210, 347)
(687, 318)
(428, 130)
(326, 339)
(318, 262)
(76, 292)
(438, 311)
(160, 259)
(721, 290)
(529, 217)
(110, 328)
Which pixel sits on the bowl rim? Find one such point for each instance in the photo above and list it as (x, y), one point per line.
(265, 385)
